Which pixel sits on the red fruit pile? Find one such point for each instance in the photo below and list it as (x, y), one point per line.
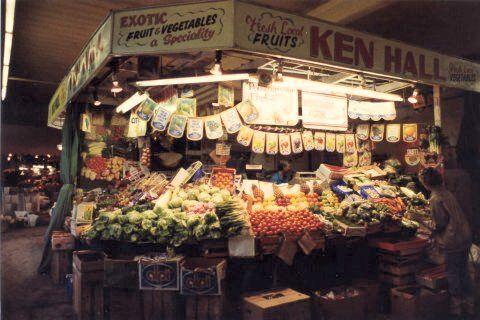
(268, 223)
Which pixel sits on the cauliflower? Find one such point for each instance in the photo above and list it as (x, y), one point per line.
(204, 197)
(203, 188)
(176, 202)
(214, 190)
(193, 193)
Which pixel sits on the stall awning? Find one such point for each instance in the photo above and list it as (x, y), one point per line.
(242, 26)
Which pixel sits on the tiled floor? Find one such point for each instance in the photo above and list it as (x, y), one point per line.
(27, 295)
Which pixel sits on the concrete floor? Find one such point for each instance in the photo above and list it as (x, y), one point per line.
(27, 295)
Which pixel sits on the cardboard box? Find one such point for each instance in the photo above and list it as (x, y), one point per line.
(282, 304)
(160, 273)
(62, 241)
(202, 276)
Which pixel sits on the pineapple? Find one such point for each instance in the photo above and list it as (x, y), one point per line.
(257, 192)
(317, 188)
(305, 188)
(277, 192)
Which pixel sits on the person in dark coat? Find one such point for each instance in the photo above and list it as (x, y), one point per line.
(452, 232)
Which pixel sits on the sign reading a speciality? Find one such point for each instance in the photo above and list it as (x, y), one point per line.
(177, 126)
(324, 112)
(146, 109)
(173, 28)
(231, 120)
(284, 143)
(297, 145)
(258, 142)
(376, 132)
(276, 105)
(245, 135)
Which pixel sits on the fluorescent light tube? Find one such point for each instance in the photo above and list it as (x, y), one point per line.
(7, 49)
(4, 93)
(327, 88)
(5, 71)
(131, 102)
(9, 15)
(193, 80)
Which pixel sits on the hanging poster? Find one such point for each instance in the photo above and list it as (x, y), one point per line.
(177, 126)
(170, 100)
(324, 112)
(365, 159)
(393, 132)
(307, 137)
(146, 109)
(410, 132)
(160, 119)
(213, 127)
(195, 129)
(371, 110)
(350, 143)
(86, 122)
(258, 141)
(319, 140)
(231, 120)
(412, 157)
(296, 138)
(340, 143)
(225, 96)
(284, 143)
(247, 110)
(350, 159)
(187, 107)
(245, 135)
(330, 142)
(363, 131)
(276, 105)
(376, 132)
(136, 126)
(272, 143)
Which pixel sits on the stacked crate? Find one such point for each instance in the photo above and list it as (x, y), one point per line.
(398, 260)
(88, 284)
(63, 244)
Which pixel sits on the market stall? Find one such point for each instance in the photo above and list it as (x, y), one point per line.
(184, 114)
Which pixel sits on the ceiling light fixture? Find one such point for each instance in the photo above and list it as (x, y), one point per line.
(7, 46)
(278, 71)
(131, 102)
(193, 80)
(217, 67)
(96, 101)
(327, 88)
(413, 99)
(116, 88)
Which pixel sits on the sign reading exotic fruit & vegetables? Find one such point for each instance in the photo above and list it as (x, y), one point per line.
(243, 26)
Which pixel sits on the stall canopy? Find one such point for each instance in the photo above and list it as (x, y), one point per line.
(244, 27)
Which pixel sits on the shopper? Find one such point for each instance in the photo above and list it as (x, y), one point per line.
(452, 232)
(284, 173)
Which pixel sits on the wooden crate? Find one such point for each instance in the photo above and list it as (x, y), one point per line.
(62, 241)
(121, 303)
(61, 265)
(88, 260)
(339, 309)
(398, 270)
(88, 294)
(269, 244)
(397, 280)
(370, 289)
(214, 248)
(204, 307)
(277, 304)
(121, 273)
(161, 305)
(414, 302)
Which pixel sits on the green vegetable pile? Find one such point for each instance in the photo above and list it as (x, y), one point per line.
(168, 225)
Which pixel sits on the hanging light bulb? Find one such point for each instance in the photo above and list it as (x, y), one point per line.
(116, 88)
(413, 99)
(96, 101)
(217, 67)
